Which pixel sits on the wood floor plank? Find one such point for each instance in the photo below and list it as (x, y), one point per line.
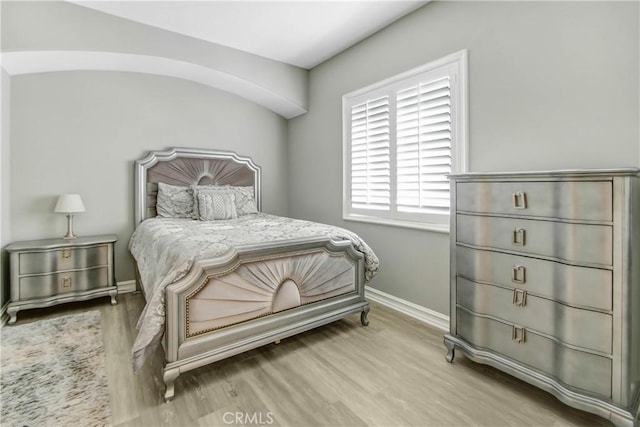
(117, 337)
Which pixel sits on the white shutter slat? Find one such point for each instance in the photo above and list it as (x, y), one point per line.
(435, 85)
(435, 144)
(441, 152)
(426, 138)
(434, 210)
(425, 117)
(375, 103)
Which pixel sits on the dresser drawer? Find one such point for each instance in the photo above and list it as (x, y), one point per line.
(574, 368)
(59, 283)
(581, 286)
(586, 200)
(582, 328)
(579, 243)
(63, 259)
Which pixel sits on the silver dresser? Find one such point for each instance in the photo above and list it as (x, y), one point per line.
(545, 282)
(54, 271)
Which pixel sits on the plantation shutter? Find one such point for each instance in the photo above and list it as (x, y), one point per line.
(402, 137)
(423, 147)
(370, 155)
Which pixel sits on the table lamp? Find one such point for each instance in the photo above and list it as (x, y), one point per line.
(69, 204)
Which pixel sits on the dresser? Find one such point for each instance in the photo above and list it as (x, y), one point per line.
(54, 271)
(545, 282)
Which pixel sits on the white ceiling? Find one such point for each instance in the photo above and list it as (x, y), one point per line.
(297, 32)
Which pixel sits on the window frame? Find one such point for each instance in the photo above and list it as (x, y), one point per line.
(454, 65)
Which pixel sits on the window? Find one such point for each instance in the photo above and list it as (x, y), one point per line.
(402, 137)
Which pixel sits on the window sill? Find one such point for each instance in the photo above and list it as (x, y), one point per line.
(438, 228)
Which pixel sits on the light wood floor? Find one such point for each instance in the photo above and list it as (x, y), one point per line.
(391, 373)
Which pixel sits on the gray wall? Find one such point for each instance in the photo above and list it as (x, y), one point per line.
(80, 131)
(551, 86)
(5, 229)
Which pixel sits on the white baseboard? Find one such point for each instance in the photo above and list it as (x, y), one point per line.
(126, 286)
(428, 316)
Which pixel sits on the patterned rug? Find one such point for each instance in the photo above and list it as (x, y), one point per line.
(52, 373)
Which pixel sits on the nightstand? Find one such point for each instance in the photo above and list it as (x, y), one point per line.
(55, 271)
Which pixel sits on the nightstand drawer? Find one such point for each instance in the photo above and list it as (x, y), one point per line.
(565, 199)
(59, 283)
(578, 243)
(63, 259)
(583, 328)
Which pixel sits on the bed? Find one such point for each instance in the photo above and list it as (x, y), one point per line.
(217, 288)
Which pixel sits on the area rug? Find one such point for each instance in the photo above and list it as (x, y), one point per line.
(52, 373)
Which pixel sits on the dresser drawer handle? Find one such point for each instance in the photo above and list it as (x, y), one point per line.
(518, 237)
(518, 334)
(66, 282)
(66, 253)
(519, 200)
(518, 274)
(519, 297)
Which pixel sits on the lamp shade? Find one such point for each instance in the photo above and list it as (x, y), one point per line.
(69, 203)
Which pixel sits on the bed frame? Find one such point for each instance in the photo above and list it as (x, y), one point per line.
(185, 345)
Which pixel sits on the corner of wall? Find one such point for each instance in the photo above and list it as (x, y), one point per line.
(5, 229)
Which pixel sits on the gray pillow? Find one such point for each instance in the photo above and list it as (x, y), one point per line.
(245, 202)
(174, 201)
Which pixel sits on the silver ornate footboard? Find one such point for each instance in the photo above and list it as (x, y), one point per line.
(186, 349)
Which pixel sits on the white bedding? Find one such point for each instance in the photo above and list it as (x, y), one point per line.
(165, 249)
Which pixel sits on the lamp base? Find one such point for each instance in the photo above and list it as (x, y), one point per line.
(70, 235)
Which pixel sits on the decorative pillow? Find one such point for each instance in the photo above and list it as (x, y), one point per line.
(174, 201)
(244, 200)
(196, 189)
(213, 205)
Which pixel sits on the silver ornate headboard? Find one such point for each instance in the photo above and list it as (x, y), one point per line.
(190, 166)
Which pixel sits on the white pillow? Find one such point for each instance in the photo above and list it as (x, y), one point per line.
(214, 205)
(244, 200)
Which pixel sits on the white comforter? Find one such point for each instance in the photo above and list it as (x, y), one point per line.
(165, 249)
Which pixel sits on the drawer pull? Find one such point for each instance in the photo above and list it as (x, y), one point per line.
(518, 237)
(519, 200)
(66, 253)
(66, 282)
(519, 297)
(518, 274)
(518, 334)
